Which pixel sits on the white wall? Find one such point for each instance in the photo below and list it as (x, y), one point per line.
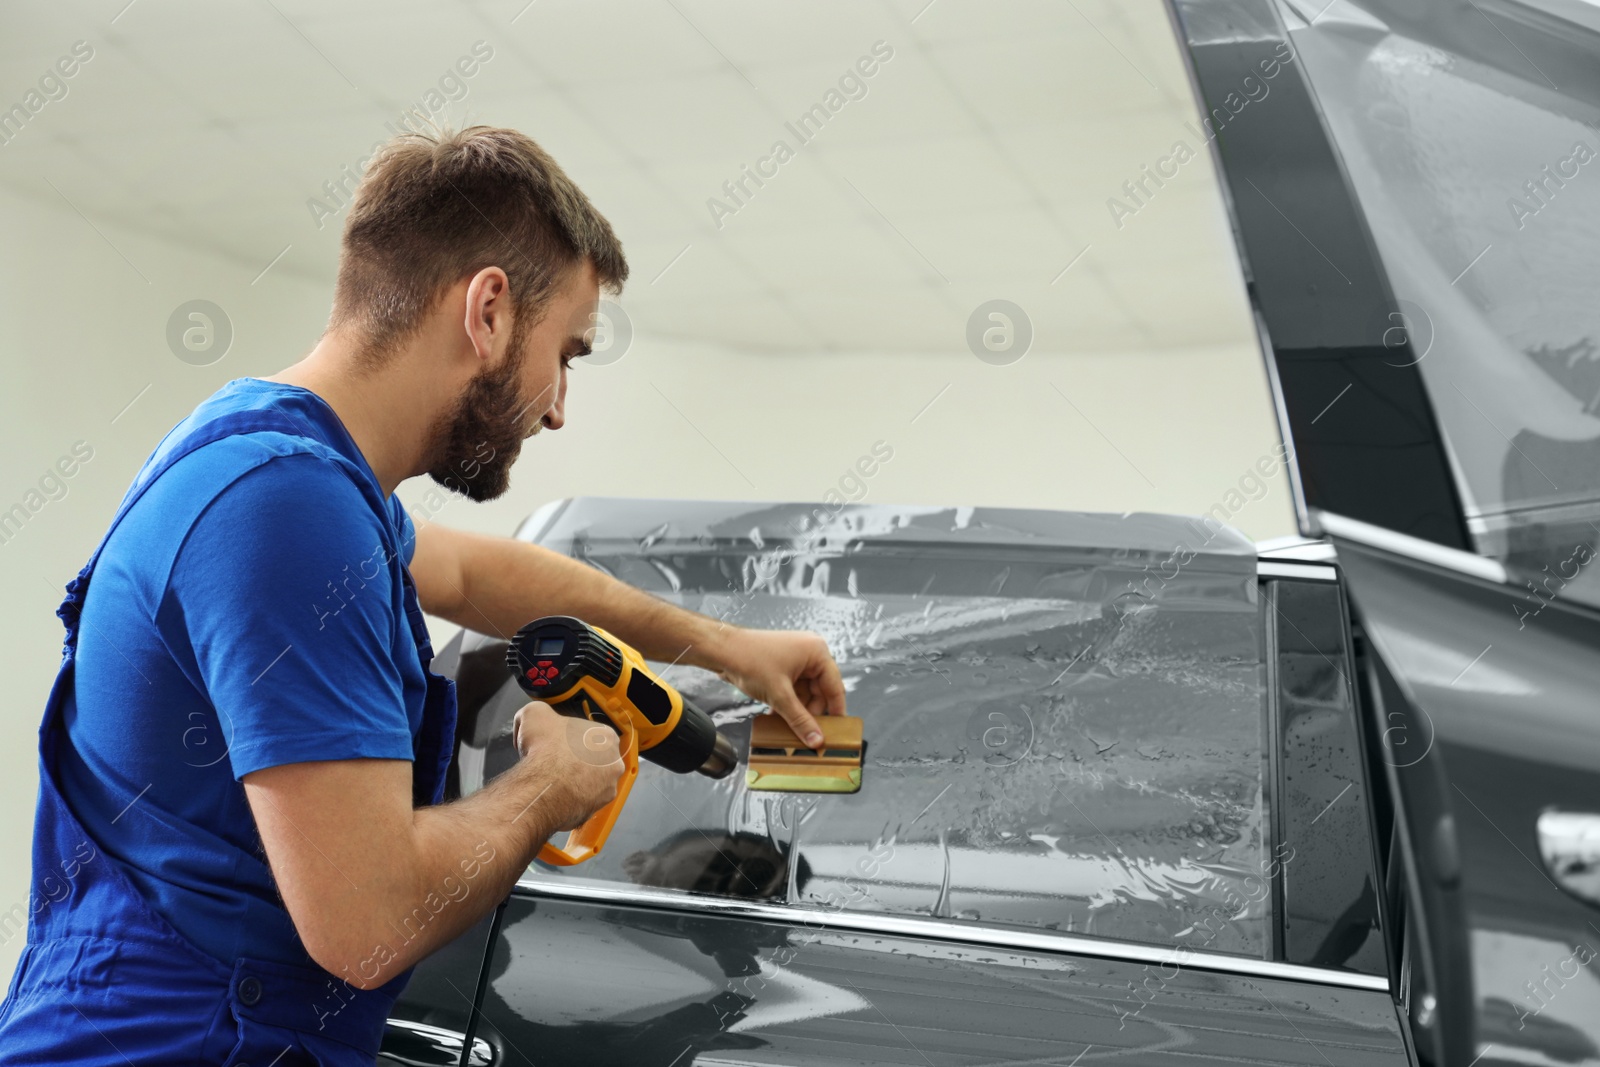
(83, 312)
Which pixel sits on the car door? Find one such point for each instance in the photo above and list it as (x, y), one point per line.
(1113, 805)
(1415, 208)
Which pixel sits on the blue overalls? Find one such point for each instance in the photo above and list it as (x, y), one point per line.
(106, 980)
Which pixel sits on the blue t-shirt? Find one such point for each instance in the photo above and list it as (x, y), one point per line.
(247, 612)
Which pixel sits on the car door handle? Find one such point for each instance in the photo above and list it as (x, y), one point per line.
(420, 1045)
(1569, 842)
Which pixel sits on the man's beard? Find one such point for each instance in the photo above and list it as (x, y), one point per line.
(476, 444)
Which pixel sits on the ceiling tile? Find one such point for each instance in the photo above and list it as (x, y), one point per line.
(905, 97)
(589, 45)
(682, 116)
(929, 174)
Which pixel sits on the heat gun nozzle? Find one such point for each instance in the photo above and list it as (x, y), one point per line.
(723, 759)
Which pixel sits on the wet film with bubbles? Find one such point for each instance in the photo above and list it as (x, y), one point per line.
(1063, 715)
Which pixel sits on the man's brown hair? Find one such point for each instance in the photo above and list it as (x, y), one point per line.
(434, 208)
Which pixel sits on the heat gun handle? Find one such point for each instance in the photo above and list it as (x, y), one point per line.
(587, 840)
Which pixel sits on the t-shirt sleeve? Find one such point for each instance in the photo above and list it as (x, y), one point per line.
(408, 531)
(286, 594)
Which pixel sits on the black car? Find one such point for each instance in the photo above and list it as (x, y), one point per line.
(1135, 788)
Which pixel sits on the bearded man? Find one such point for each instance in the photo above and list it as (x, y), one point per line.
(243, 757)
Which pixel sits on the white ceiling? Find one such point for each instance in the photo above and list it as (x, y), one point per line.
(977, 166)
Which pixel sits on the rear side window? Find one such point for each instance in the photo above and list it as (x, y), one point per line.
(1330, 906)
(1063, 716)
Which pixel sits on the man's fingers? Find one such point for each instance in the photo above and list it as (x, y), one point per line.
(830, 686)
(602, 741)
(812, 697)
(596, 745)
(798, 718)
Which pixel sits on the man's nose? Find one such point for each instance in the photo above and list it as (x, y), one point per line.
(556, 417)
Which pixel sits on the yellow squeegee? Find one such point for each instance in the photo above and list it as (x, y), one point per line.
(780, 762)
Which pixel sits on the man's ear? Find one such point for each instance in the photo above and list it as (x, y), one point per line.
(488, 312)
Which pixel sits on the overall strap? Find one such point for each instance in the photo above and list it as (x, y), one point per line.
(235, 422)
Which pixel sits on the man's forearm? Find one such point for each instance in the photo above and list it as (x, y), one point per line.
(468, 855)
(509, 583)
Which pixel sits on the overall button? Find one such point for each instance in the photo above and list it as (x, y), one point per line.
(250, 992)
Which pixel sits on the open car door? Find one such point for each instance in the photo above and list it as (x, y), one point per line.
(1416, 198)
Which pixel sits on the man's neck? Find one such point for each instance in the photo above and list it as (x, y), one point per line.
(385, 413)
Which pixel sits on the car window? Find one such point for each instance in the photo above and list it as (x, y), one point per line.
(1470, 143)
(1330, 904)
(1063, 716)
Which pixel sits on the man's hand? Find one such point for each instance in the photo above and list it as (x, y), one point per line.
(580, 759)
(790, 671)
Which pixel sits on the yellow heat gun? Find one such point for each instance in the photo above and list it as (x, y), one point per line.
(582, 671)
